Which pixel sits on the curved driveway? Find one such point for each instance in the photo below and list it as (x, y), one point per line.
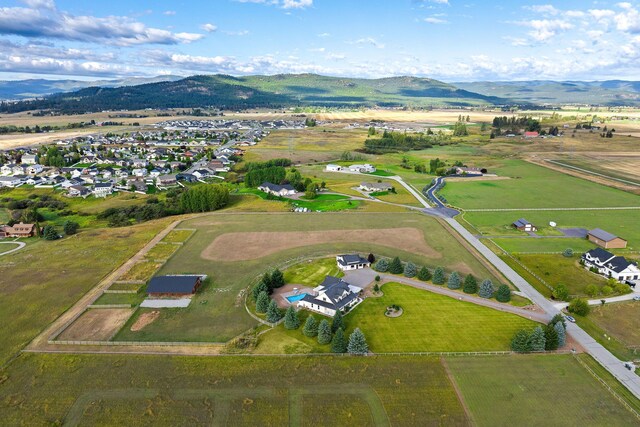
(20, 246)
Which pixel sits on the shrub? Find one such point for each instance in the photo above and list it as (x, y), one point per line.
(376, 288)
(438, 276)
(622, 288)
(262, 302)
(324, 332)
(371, 258)
(424, 274)
(470, 285)
(339, 343)
(591, 290)
(568, 253)
(410, 270)
(382, 265)
(377, 278)
(357, 343)
(291, 320)
(606, 290)
(70, 227)
(310, 327)
(579, 306)
(396, 266)
(454, 281)
(503, 294)
(486, 289)
(561, 293)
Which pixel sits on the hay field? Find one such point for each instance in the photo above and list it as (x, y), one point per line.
(96, 324)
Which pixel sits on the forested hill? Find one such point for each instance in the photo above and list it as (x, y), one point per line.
(283, 90)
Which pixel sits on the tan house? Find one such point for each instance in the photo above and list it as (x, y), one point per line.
(18, 230)
(605, 239)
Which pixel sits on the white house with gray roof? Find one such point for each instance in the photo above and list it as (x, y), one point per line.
(331, 295)
(610, 265)
(352, 262)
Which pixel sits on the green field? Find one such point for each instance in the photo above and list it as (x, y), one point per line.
(217, 312)
(432, 322)
(533, 245)
(45, 278)
(534, 186)
(163, 390)
(131, 299)
(177, 236)
(619, 320)
(327, 203)
(162, 251)
(549, 390)
(312, 272)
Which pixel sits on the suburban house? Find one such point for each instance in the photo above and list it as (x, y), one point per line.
(605, 239)
(18, 230)
(366, 168)
(333, 168)
(463, 170)
(524, 225)
(173, 285)
(375, 186)
(166, 180)
(103, 189)
(277, 190)
(78, 191)
(331, 295)
(29, 159)
(10, 181)
(352, 262)
(610, 265)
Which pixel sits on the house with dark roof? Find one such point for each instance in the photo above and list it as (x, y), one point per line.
(524, 225)
(351, 262)
(375, 186)
(18, 230)
(605, 239)
(331, 295)
(173, 285)
(610, 265)
(277, 190)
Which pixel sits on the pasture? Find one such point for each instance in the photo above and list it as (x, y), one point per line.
(161, 390)
(619, 320)
(312, 272)
(234, 250)
(550, 390)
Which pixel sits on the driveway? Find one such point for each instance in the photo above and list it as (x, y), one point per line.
(360, 278)
(580, 233)
(20, 246)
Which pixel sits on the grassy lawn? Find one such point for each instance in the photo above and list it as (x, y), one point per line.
(311, 273)
(432, 322)
(162, 251)
(217, 312)
(132, 299)
(49, 389)
(535, 390)
(284, 341)
(143, 270)
(534, 186)
(555, 269)
(42, 280)
(527, 244)
(177, 236)
(327, 203)
(125, 287)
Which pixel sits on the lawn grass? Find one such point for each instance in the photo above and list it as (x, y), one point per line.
(45, 278)
(534, 186)
(535, 390)
(312, 272)
(54, 389)
(132, 299)
(432, 322)
(533, 245)
(177, 236)
(280, 340)
(619, 320)
(142, 270)
(217, 311)
(606, 339)
(162, 251)
(326, 205)
(125, 287)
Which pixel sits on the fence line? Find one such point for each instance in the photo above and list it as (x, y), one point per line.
(120, 291)
(137, 343)
(99, 306)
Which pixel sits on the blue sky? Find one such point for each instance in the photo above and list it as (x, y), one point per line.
(451, 40)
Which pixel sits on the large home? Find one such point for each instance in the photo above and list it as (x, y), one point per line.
(333, 168)
(277, 190)
(166, 180)
(351, 262)
(102, 189)
(78, 191)
(610, 265)
(10, 181)
(29, 159)
(18, 230)
(173, 285)
(375, 186)
(366, 168)
(606, 240)
(463, 170)
(524, 225)
(331, 295)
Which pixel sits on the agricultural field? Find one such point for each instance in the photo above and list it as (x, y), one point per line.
(620, 321)
(533, 245)
(533, 186)
(620, 166)
(45, 278)
(234, 250)
(535, 390)
(160, 390)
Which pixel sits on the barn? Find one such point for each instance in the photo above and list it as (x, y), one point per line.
(173, 285)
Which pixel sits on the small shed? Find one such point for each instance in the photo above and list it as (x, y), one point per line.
(524, 225)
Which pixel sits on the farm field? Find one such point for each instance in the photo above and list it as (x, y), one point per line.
(45, 278)
(534, 186)
(524, 387)
(533, 245)
(432, 322)
(220, 248)
(625, 166)
(160, 390)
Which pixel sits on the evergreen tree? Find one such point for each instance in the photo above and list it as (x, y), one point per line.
(470, 285)
(262, 302)
(410, 270)
(338, 322)
(382, 265)
(273, 312)
(424, 274)
(49, 232)
(503, 294)
(396, 266)
(266, 279)
(70, 227)
(550, 338)
(486, 289)
(438, 276)
(559, 318)
(371, 258)
(536, 339)
(324, 332)
(520, 342)
(339, 343)
(310, 327)
(260, 287)
(277, 279)
(562, 335)
(291, 320)
(357, 343)
(454, 281)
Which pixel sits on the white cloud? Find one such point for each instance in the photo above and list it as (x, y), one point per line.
(434, 20)
(40, 4)
(545, 9)
(209, 28)
(629, 20)
(239, 33)
(367, 41)
(284, 4)
(169, 12)
(543, 30)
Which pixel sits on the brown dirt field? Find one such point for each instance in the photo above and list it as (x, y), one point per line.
(96, 324)
(480, 178)
(144, 320)
(234, 247)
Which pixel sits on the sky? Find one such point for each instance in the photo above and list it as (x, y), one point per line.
(449, 40)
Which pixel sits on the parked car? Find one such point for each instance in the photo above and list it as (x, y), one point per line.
(570, 319)
(636, 298)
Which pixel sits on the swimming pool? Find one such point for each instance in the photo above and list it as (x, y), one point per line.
(295, 298)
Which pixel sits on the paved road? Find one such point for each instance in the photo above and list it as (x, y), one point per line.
(20, 246)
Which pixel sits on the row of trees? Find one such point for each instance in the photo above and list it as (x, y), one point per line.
(401, 141)
(438, 277)
(515, 123)
(270, 171)
(548, 338)
(204, 198)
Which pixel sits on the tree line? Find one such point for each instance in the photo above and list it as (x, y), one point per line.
(400, 141)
